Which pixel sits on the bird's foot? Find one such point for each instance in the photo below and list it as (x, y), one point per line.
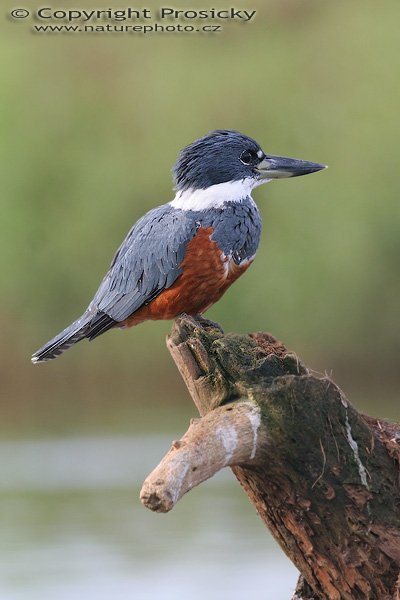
(207, 323)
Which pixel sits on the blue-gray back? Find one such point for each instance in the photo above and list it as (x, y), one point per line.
(148, 261)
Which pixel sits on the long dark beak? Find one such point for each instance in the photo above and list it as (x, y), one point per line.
(277, 167)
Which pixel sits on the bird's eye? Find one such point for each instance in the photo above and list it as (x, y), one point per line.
(247, 157)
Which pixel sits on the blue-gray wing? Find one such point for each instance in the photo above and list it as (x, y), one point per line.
(146, 263)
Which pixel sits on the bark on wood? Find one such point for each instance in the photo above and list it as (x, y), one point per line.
(324, 479)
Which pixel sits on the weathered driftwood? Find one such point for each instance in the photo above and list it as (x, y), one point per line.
(324, 479)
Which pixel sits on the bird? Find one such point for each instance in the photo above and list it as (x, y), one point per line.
(182, 256)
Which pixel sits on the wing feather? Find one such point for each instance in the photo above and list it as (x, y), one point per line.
(147, 262)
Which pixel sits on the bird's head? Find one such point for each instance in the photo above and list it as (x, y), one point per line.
(229, 157)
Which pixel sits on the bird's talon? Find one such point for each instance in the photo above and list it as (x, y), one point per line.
(207, 323)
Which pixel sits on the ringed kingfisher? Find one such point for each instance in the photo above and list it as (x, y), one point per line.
(182, 256)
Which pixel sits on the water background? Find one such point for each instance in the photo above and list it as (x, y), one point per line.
(73, 528)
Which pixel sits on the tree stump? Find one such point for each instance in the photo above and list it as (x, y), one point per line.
(323, 477)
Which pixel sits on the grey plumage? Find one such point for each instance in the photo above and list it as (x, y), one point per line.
(146, 263)
(142, 267)
(237, 228)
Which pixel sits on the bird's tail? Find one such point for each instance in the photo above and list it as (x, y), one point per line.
(87, 326)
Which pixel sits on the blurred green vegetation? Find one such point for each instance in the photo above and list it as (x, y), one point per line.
(90, 128)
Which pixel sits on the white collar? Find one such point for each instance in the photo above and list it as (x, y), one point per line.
(215, 195)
